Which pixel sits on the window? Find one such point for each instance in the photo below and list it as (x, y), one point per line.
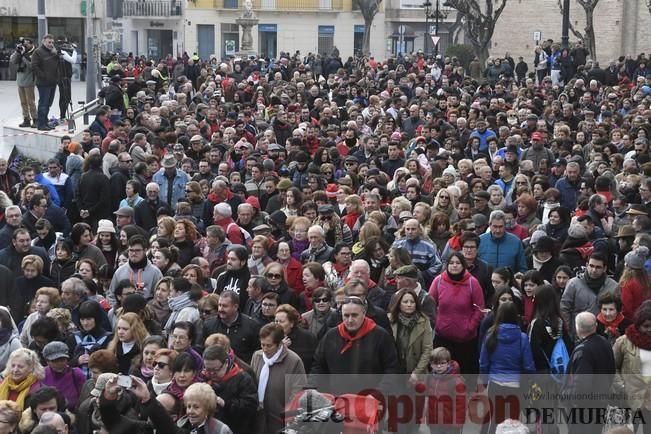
(326, 39)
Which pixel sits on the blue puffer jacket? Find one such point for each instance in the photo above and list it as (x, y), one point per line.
(511, 357)
(502, 252)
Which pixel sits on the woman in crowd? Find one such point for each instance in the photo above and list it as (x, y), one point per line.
(63, 265)
(375, 254)
(165, 260)
(107, 242)
(82, 237)
(530, 281)
(496, 200)
(633, 364)
(165, 227)
(273, 364)
(162, 377)
(298, 233)
(562, 275)
(185, 371)
(22, 376)
(91, 336)
(439, 230)
(200, 404)
(502, 295)
(317, 318)
(412, 333)
(635, 282)
(292, 202)
(297, 339)
(159, 304)
(195, 275)
(398, 257)
(354, 209)
(505, 356)
(293, 269)
(87, 269)
(182, 302)
(130, 334)
(45, 299)
(275, 274)
(143, 365)
(185, 238)
(313, 278)
(611, 322)
(26, 286)
(459, 303)
(558, 222)
(259, 257)
(527, 206)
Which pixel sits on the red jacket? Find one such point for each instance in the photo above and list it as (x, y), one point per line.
(233, 232)
(633, 297)
(294, 274)
(449, 390)
(458, 306)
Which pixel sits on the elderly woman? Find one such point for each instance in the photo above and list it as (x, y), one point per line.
(163, 361)
(272, 365)
(291, 269)
(275, 274)
(26, 286)
(21, 377)
(46, 298)
(527, 207)
(200, 404)
(313, 278)
(634, 365)
(259, 257)
(317, 317)
(496, 200)
(297, 339)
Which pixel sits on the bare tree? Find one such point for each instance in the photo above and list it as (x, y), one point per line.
(368, 8)
(588, 35)
(648, 4)
(480, 22)
(455, 29)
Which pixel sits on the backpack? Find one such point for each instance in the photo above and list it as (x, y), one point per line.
(559, 359)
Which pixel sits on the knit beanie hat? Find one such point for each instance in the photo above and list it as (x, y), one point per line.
(637, 258)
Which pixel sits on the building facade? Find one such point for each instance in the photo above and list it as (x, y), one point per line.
(308, 26)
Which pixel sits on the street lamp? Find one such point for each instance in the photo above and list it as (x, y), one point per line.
(440, 12)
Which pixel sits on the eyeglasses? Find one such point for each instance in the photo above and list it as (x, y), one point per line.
(268, 305)
(469, 247)
(213, 370)
(161, 365)
(322, 300)
(273, 276)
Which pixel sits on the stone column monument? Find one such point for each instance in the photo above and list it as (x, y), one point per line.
(247, 21)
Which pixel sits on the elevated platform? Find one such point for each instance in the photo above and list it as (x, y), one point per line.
(40, 145)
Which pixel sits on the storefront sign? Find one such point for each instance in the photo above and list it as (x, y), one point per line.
(7, 11)
(156, 24)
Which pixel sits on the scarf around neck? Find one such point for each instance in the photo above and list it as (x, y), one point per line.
(264, 372)
(594, 284)
(367, 327)
(8, 386)
(611, 326)
(638, 339)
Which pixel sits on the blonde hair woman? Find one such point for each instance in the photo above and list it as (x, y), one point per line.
(130, 333)
(45, 299)
(354, 209)
(22, 376)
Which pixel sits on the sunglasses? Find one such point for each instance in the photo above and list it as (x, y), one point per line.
(161, 365)
(273, 276)
(322, 300)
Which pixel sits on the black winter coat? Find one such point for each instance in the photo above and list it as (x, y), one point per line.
(240, 394)
(303, 344)
(94, 189)
(243, 334)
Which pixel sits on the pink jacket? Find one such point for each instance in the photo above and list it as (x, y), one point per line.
(458, 306)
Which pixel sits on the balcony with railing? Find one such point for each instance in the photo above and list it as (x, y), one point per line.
(152, 8)
(284, 5)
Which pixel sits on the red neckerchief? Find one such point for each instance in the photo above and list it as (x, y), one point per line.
(340, 269)
(365, 329)
(611, 327)
(231, 373)
(638, 339)
(455, 242)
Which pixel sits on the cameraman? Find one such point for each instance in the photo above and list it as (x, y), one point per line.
(68, 57)
(22, 58)
(45, 64)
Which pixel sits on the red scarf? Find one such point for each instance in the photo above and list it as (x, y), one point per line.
(365, 329)
(455, 242)
(231, 373)
(611, 327)
(340, 269)
(638, 339)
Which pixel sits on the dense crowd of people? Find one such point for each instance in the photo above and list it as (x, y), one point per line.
(224, 226)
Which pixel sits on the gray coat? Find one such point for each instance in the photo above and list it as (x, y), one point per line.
(578, 297)
(23, 64)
